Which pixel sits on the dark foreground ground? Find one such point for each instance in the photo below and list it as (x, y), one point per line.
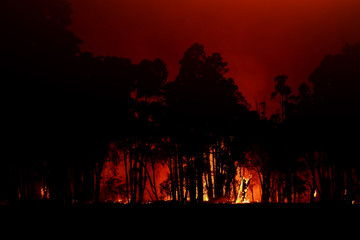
(39, 205)
(167, 220)
(187, 210)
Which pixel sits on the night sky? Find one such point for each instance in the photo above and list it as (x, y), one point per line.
(259, 39)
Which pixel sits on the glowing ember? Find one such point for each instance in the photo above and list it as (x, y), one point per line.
(44, 192)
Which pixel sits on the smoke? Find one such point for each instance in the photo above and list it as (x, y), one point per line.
(259, 39)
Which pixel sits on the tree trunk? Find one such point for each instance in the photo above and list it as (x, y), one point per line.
(265, 187)
(154, 178)
(325, 194)
(288, 185)
(126, 175)
(339, 184)
(176, 178)
(181, 177)
(294, 184)
(77, 182)
(313, 178)
(199, 175)
(172, 180)
(99, 167)
(349, 185)
(132, 173)
(192, 181)
(209, 172)
(140, 172)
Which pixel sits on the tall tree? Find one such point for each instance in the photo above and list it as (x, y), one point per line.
(283, 91)
(204, 106)
(284, 151)
(335, 89)
(37, 57)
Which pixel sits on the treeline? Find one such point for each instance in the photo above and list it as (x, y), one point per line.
(66, 112)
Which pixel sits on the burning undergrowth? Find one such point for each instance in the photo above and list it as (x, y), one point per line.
(124, 179)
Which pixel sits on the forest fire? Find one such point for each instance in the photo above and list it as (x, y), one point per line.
(170, 179)
(115, 182)
(44, 192)
(84, 128)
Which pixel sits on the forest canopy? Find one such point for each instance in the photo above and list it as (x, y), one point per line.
(68, 113)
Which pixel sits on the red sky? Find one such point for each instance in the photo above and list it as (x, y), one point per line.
(259, 39)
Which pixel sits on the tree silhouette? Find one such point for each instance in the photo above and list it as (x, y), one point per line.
(152, 75)
(37, 57)
(67, 112)
(337, 108)
(285, 152)
(284, 92)
(206, 108)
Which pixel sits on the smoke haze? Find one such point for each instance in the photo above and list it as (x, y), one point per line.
(259, 39)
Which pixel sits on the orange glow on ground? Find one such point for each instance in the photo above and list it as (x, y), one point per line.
(113, 184)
